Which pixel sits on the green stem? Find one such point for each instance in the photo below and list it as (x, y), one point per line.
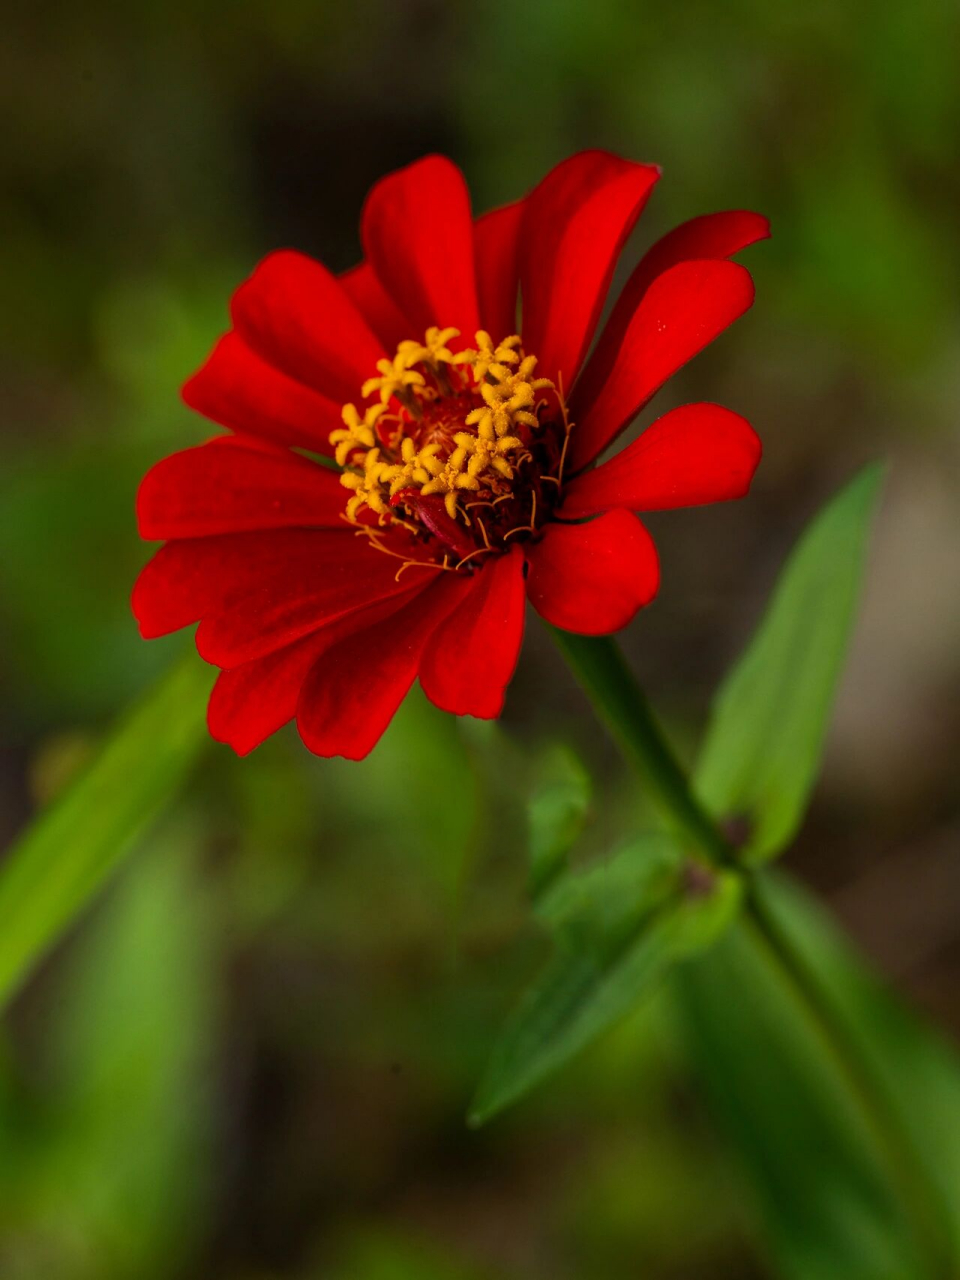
(618, 700)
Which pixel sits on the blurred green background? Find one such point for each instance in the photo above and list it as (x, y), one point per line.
(253, 1057)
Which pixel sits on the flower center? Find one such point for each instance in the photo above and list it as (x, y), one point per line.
(459, 454)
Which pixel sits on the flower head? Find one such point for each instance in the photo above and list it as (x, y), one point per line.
(462, 476)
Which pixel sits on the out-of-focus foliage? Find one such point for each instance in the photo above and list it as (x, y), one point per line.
(762, 750)
(836, 1199)
(557, 811)
(618, 927)
(385, 1255)
(65, 856)
(369, 930)
(105, 1157)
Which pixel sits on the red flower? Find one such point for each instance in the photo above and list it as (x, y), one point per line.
(467, 451)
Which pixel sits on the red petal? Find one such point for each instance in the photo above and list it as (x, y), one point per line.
(174, 587)
(239, 390)
(252, 701)
(574, 226)
(469, 660)
(193, 577)
(312, 587)
(211, 489)
(695, 454)
(592, 578)
(351, 695)
(237, 440)
(418, 235)
(294, 313)
(381, 313)
(714, 235)
(497, 248)
(681, 313)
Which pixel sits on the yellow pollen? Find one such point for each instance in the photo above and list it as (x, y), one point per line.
(434, 349)
(396, 375)
(367, 486)
(427, 452)
(358, 433)
(489, 359)
(416, 468)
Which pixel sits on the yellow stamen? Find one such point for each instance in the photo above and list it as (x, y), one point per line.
(415, 469)
(493, 360)
(368, 488)
(482, 456)
(396, 375)
(358, 433)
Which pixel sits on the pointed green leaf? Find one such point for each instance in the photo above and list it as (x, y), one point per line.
(67, 853)
(596, 905)
(835, 1199)
(122, 1149)
(764, 741)
(618, 926)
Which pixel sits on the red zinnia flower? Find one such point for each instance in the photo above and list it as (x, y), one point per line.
(467, 447)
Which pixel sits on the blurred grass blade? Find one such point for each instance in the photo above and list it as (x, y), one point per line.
(618, 926)
(556, 813)
(121, 1151)
(66, 854)
(836, 1202)
(764, 741)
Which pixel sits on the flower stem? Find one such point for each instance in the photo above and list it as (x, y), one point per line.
(600, 669)
(618, 700)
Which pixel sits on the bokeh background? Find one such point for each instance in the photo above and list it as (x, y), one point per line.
(253, 1057)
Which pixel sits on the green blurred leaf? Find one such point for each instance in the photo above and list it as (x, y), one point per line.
(765, 736)
(556, 813)
(591, 908)
(109, 1177)
(917, 1072)
(66, 854)
(413, 800)
(67, 557)
(831, 1195)
(384, 1253)
(618, 926)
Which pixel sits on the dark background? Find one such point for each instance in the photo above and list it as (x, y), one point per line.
(253, 1059)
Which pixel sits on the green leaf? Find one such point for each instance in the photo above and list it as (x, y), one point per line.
(836, 1201)
(68, 852)
(556, 813)
(618, 926)
(106, 1153)
(378, 1252)
(126, 1150)
(422, 756)
(765, 737)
